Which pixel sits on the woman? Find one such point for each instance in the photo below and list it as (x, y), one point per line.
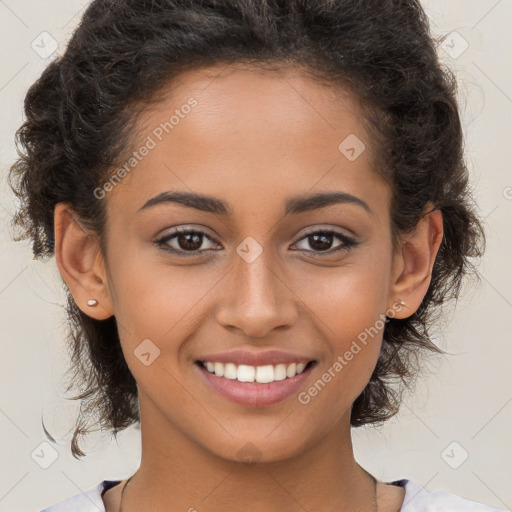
(258, 208)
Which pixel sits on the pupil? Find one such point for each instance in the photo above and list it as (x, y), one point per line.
(326, 239)
(192, 245)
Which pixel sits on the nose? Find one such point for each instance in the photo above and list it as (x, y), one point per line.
(256, 297)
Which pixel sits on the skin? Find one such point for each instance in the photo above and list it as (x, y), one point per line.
(254, 151)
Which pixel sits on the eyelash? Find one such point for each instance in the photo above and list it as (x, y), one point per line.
(347, 244)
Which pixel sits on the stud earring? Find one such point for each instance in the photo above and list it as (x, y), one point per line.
(402, 303)
(92, 302)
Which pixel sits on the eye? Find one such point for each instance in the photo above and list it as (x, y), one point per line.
(189, 242)
(185, 241)
(321, 241)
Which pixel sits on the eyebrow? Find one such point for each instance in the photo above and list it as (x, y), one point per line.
(293, 205)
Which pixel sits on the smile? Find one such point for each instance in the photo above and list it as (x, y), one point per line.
(260, 374)
(255, 386)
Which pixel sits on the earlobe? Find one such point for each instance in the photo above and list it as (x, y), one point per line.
(414, 262)
(80, 264)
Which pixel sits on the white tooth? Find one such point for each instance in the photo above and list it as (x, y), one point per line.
(230, 371)
(261, 374)
(280, 372)
(245, 373)
(219, 369)
(300, 367)
(290, 372)
(265, 374)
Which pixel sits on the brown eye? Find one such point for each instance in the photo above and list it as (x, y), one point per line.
(185, 241)
(321, 241)
(189, 241)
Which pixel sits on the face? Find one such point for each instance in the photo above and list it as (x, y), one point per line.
(260, 267)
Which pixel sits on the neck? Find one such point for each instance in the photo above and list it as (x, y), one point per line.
(177, 471)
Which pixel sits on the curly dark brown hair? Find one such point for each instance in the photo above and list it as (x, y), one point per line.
(81, 116)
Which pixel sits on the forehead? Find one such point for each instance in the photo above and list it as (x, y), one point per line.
(242, 130)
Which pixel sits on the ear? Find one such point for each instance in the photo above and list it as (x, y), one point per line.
(80, 263)
(413, 263)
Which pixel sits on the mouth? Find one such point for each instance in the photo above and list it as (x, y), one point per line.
(259, 386)
(263, 374)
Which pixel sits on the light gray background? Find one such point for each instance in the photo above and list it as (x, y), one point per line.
(464, 398)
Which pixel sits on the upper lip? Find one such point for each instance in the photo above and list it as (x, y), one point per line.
(253, 358)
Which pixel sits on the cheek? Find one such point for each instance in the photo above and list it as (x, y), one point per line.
(348, 308)
(152, 298)
(159, 308)
(156, 310)
(344, 301)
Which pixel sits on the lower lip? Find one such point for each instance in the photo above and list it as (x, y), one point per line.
(254, 394)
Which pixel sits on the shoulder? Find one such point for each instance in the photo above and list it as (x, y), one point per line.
(418, 499)
(86, 501)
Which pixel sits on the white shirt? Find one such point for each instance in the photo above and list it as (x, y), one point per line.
(417, 499)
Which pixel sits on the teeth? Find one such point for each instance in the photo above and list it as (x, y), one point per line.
(219, 369)
(260, 374)
(280, 372)
(244, 373)
(291, 370)
(264, 374)
(230, 371)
